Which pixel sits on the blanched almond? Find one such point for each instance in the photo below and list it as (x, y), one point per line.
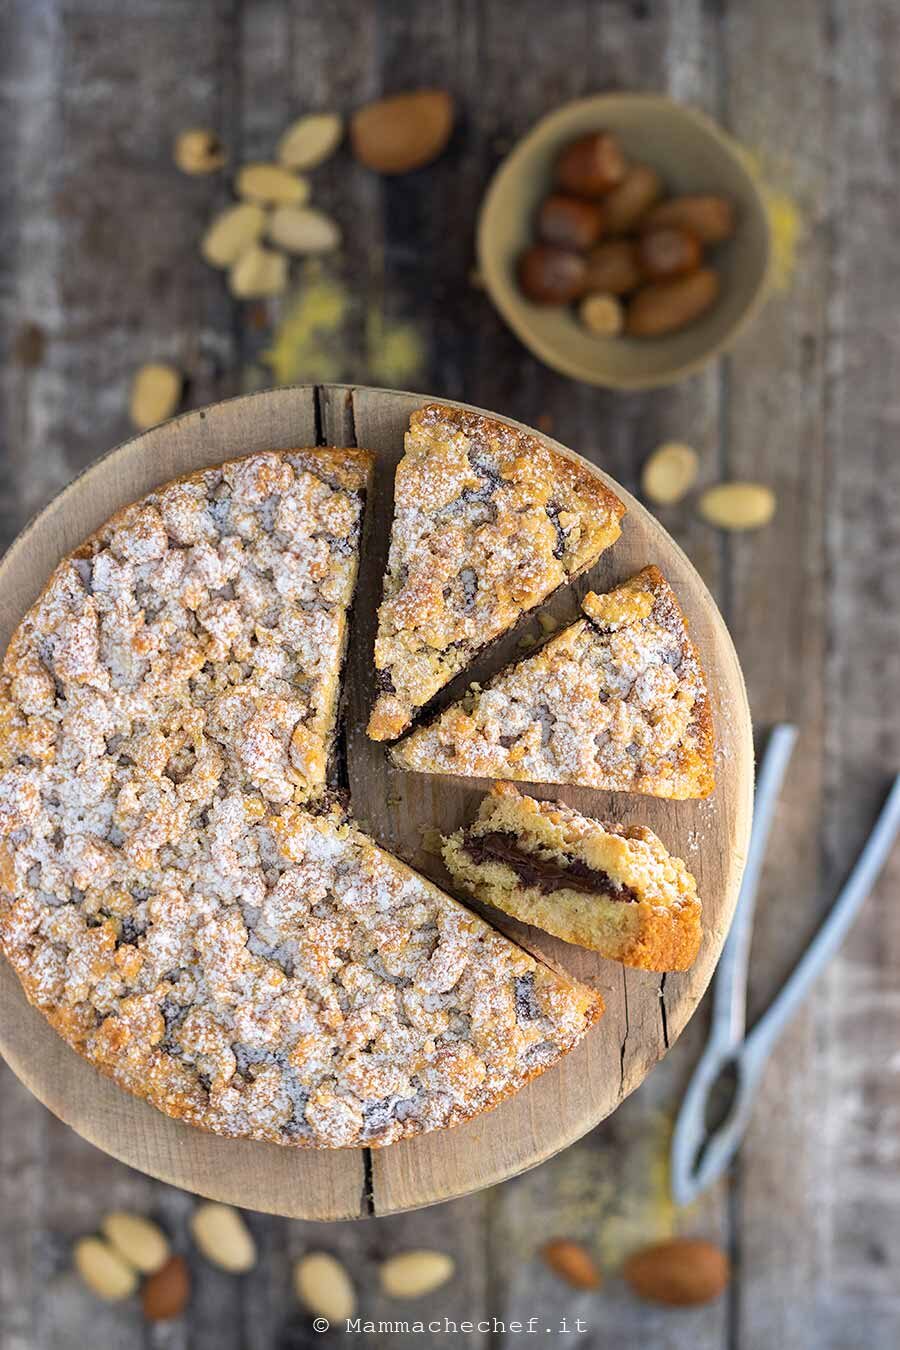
(303, 229)
(670, 472)
(223, 1237)
(259, 272)
(322, 1283)
(166, 1293)
(738, 506)
(270, 184)
(408, 131)
(141, 1242)
(231, 233)
(155, 391)
(103, 1270)
(310, 140)
(412, 1274)
(198, 151)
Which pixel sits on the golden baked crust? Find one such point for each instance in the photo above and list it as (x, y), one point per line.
(618, 700)
(488, 522)
(168, 902)
(285, 979)
(648, 915)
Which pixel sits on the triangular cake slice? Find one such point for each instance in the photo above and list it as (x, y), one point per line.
(488, 521)
(285, 979)
(612, 888)
(617, 700)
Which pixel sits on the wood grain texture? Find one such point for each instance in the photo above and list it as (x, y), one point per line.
(399, 809)
(97, 237)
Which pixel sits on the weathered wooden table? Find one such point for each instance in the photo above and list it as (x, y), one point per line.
(99, 272)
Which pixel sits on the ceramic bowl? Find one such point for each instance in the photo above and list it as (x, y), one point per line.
(693, 155)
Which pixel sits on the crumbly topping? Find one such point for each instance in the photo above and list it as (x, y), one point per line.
(488, 522)
(617, 700)
(201, 627)
(167, 903)
(281, 978)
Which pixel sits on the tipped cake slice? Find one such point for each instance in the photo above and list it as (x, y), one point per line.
(612, 888)
(617, 700)
(488, 522)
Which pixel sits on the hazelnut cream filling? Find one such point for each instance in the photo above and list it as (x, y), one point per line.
(544, 873)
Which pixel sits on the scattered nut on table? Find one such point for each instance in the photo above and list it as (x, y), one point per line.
(738, 506)
(231, 232)
(572, 1262)
(414, 1273)
(165, 1294)
(682, 1272)
(223, 1237)
(155, 394)
(103, 1270)
(324, 1286)
(404, 132)
(198, 151)
(271, 185)
(310, 140)
(139, 1240)
(670, 473)
(303, 229)
(258, 273)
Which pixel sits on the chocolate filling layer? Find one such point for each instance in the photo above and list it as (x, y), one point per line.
(541, 872)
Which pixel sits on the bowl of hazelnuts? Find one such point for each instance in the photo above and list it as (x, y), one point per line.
(625, 240)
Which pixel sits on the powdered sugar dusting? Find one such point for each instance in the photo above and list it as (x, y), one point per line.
(488, 522)
(165, 896)
(618, 700)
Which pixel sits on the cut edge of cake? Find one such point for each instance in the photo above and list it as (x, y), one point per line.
(415, 657)
(477, 737)
(628, 899)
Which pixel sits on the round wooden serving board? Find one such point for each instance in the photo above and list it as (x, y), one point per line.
(644, 1012)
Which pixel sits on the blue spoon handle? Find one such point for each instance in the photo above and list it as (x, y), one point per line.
(729, 1015)
(762, 1038)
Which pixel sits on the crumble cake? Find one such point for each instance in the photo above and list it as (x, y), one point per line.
(488, 521)
(612, 888)
(167, 898)
(617, 700)
(275, 975)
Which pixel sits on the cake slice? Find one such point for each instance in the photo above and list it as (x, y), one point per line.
(617, 700)
(267, 554)
(612, 888)
(488, 521)
(282, 978)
